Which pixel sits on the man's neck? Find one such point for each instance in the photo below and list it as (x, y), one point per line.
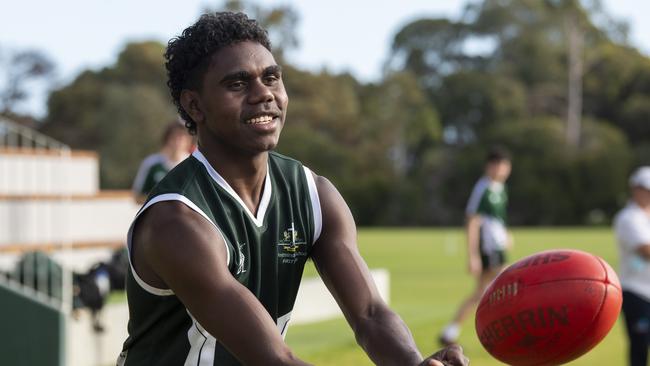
(246, 174)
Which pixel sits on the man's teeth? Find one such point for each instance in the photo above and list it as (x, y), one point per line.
(258, 120)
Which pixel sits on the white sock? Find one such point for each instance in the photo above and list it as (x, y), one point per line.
(451, 332)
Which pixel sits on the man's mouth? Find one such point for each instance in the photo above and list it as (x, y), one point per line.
(263, 119)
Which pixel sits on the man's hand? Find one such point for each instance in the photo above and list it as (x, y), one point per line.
(448, 356)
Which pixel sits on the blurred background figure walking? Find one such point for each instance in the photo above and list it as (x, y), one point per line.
(632, 228)
(487, 236)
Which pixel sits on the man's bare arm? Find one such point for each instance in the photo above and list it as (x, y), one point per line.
(176, 248)
(380, 332)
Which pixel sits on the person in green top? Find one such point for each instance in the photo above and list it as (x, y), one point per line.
(487, 236)
(176, 146)
(218, 249)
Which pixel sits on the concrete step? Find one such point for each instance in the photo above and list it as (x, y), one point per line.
(48, 172)
(55, 220)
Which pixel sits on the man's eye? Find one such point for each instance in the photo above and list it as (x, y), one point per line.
(271, 79)
(237, 85)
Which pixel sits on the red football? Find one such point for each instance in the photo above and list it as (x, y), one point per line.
(548, 308)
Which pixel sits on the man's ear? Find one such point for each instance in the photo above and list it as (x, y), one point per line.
(192, 105)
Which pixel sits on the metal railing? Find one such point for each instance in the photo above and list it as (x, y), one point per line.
(15, 135)
(32, 282)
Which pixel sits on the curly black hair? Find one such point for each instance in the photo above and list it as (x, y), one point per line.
(188, 55)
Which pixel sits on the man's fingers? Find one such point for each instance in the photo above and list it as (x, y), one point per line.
(460, 361)
(432, 362)
(454, 353)
(452, 356)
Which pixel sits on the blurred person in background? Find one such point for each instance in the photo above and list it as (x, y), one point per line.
(487, 235)
(632, 229)
(177, 144)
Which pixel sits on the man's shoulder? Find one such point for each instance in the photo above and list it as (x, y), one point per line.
(167, 210)
(284, 163)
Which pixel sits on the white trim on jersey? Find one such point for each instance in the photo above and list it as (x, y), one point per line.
(283, 324)
(162, 198)
(266, 194)
(477, 193)
(202, 345)
(315, 203)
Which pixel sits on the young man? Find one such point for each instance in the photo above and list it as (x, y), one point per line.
(632, 227)
(487, 236)
(176, 146)
(218, 250)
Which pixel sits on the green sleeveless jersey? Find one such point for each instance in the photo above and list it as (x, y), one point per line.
(489, 199)
(266, 253)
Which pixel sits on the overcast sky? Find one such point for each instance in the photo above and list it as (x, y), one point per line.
(337, 34)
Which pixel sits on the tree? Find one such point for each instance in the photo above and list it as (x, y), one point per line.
(405, 150)
(517, 89)
(472, 102)
(280, 21)
(617, 90)
(21, 69)
(524, 49)
(555, 184)
(375, 142)
(119, 111)
(575, 47)
(431, 49)
(140, 63)
(400, 137)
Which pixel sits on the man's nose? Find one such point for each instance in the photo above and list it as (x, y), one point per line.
(259, 93)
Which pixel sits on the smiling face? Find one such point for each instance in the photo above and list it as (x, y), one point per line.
(241, 103)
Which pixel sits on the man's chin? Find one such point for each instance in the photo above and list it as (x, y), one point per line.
(263, 147)
(269, 143)
(270, 147)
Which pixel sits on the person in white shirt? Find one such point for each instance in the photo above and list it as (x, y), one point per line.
(632, 228)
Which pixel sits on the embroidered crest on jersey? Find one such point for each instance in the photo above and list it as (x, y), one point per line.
(242, 259)
(291, 246)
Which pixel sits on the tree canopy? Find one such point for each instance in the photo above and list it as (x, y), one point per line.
(406, 149)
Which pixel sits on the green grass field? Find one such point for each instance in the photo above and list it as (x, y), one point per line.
(429, 279)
